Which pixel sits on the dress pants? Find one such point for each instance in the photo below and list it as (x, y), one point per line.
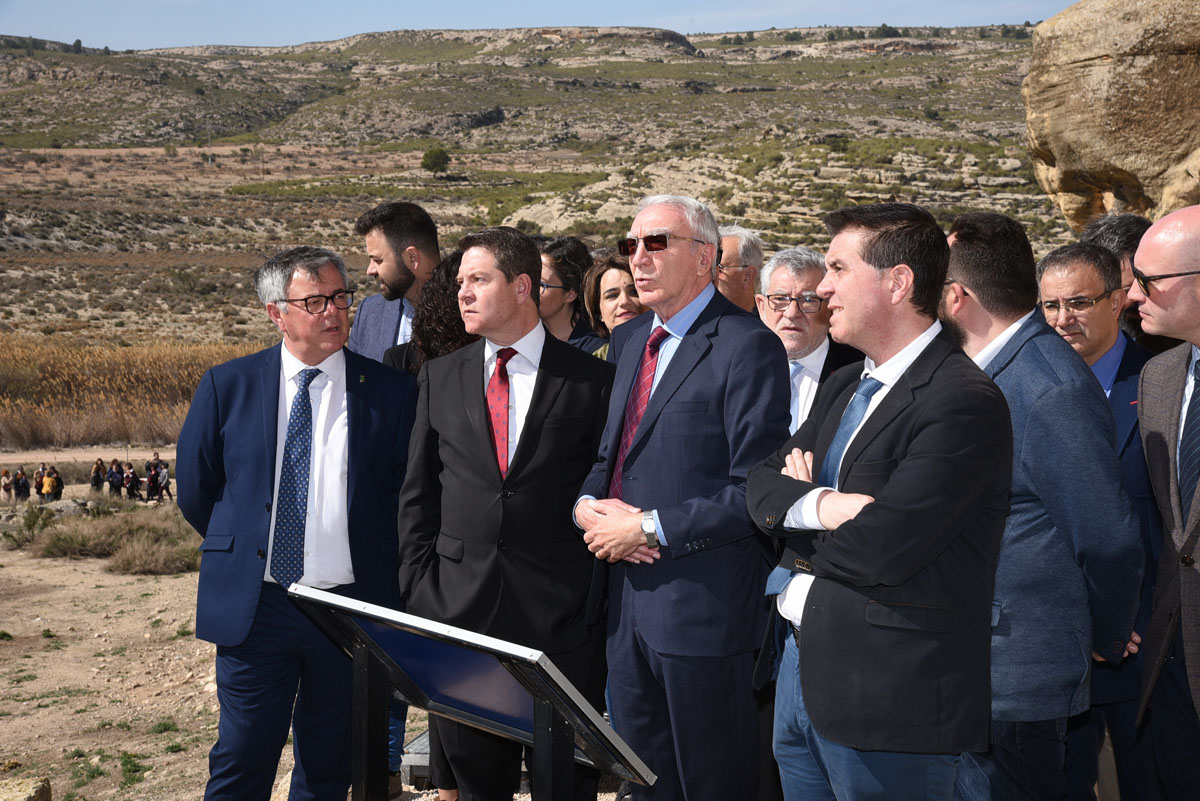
(813, 768)
(285, 661)
(1133, 752)
(692, 719)
(1175, 728)
(487, 767)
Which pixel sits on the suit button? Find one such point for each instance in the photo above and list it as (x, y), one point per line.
(501, 545)
(506, 493)
(262, 554)
(1186, 560)
(770, 520)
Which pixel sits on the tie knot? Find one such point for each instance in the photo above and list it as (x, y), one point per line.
(868, 387)
(796, 369)
(503, 355)
(307, 377)
(656, 339)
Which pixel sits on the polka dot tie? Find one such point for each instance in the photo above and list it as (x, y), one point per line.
(635, 407)
(1189, 449)
(287, 549)
(497, 401)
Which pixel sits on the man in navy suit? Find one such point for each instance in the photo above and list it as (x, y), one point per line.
(402, 250)
(1070, 566)
(289, 466)
(1082, 297)
(700, 395)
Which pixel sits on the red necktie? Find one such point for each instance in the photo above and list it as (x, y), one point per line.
(497, 401)
(635, 407)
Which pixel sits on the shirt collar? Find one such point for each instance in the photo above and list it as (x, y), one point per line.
(890, 371)
(813, 362)
(682, 321)
(529, 346)
(1105, 368)
(984, 357)
(333, 367)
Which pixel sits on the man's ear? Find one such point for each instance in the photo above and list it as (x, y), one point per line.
(901, 280)
(277, 317)
(524, 287)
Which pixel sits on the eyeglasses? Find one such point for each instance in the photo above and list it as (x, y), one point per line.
(809, 302)
(653, 243)
(1076, 305)
(315, 304)
(730, 268)
(1143, 281)
(552, 286)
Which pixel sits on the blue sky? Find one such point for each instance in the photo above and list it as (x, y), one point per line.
(139, 24)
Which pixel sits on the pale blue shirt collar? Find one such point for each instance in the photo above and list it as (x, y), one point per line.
(681, 323)
(1105, 368)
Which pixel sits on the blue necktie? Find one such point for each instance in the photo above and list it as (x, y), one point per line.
(797, 369)
(1189, 448)
(855, 411)
(287, 549)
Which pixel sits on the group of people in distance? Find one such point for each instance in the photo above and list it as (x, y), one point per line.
(909, 519)
(124, 477)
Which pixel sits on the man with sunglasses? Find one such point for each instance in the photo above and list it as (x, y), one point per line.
(790, 306)
(289, 466)
(1081, 297)
(1166, 287)
(1070, 565)
(700, 395)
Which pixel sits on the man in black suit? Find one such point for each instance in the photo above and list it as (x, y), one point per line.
(1081, 296)
(886, 573)
(790, 306)
(506, 430)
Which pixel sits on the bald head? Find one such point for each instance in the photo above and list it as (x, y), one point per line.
(1170, 306)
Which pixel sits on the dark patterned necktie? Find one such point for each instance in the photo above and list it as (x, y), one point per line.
(1189, 448)
(635, 407)
(287, 549)
(497, 401)
(855, 411)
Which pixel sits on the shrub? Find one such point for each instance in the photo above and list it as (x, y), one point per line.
(436, 159)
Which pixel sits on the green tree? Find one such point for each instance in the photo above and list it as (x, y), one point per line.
(77, 46)
(436, 159)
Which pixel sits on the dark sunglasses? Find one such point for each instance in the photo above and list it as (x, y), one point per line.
(1143, 281)
(653, 243)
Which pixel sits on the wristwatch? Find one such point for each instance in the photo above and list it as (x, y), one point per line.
(649, 529)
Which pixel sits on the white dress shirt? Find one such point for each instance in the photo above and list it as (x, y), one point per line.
(522, 376)
(326, 522)
(989, 351)
(404, 331)
(805, 382)
(803, 513)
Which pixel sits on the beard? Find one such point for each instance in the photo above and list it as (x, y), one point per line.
(398, 285)
(950, 324)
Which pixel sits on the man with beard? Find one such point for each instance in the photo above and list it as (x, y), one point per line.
(402, 248)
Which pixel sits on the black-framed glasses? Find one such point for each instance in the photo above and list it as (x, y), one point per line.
(653, 243)
(1144, 281)
(316, 304)
(552, 286)
(808, 302)
(1077, 305)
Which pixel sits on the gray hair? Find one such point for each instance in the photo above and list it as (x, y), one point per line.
(699, 218)
(271, 281)
(797, 260)
(750, 246)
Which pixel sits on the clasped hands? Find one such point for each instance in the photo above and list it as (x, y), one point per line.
(833, 508)
(613, 531)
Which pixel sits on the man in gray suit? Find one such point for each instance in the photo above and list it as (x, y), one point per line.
(1071, 556)
(1166, 287)
(402, 250)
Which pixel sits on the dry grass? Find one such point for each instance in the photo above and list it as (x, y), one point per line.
(138, 540)
(56, 393)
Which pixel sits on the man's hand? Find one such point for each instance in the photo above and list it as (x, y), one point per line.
(833, 508)
(613, 531)
(1131, 647)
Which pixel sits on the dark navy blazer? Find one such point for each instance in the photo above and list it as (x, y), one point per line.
(225, 474)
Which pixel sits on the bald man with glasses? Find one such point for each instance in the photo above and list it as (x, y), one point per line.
(1166, 288)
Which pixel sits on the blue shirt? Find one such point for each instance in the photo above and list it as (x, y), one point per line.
(1105, 368)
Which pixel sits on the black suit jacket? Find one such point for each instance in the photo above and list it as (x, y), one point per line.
(896, 628)
(472, 543)
(838, 357)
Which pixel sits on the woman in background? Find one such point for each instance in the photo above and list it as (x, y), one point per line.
(98, 475)
(610, 297)
(565, 260)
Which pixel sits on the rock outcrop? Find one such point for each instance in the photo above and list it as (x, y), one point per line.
(1112, 107)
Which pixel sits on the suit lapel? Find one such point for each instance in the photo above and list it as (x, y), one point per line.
(269, 377)
(470, 377)
(1026, 332)
(1161, 401)
(551, 377)
(357, 435)
(1123, 396)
